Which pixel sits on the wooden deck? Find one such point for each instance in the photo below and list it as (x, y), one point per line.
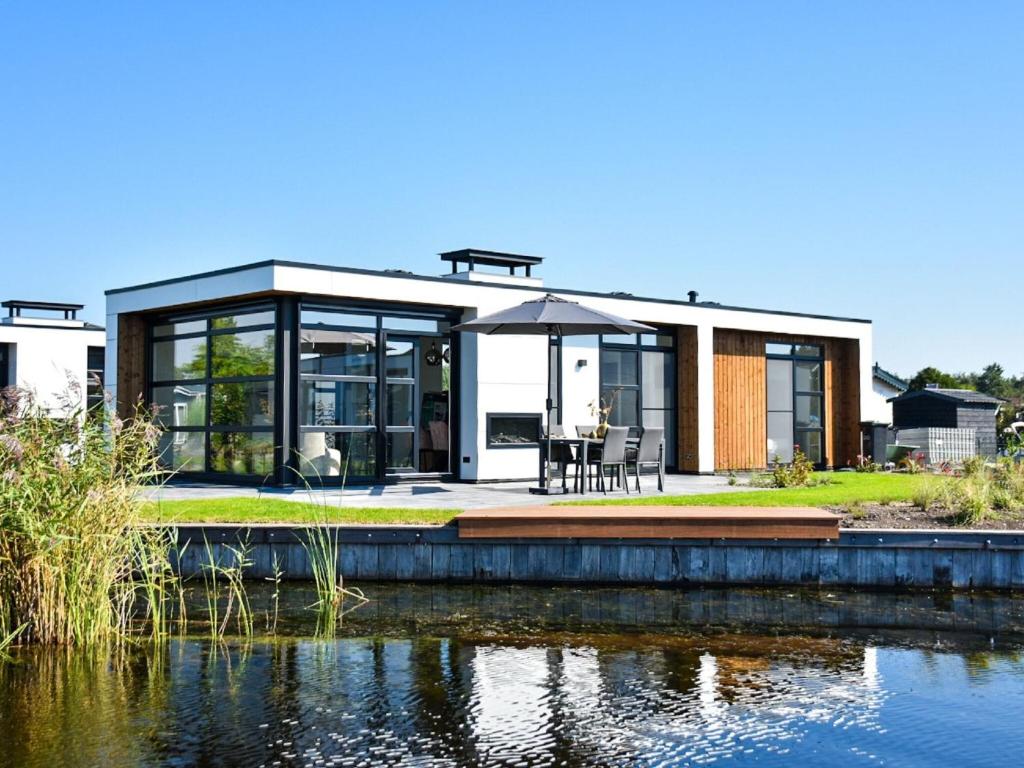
(655, 522)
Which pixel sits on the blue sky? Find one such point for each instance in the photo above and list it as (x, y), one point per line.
(858, 159)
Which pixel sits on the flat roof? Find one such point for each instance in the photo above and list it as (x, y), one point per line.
(430, 278)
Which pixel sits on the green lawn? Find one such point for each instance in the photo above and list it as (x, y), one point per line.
(268, 510)
(845, 488)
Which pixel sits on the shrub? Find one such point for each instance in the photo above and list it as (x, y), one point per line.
(856, 510)
(979, 492)
(927, 494)
(69, 539)
(974, 466)
(970, 503)
(796, 474)
(912, 464)
(866, 464)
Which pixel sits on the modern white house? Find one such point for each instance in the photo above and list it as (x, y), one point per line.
(47, 350)
(305, 372)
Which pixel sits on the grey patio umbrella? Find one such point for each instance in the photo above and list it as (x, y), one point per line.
(551, 316)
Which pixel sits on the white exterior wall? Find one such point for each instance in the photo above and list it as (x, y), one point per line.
(880, 410)
(47, 359)
(502, 373)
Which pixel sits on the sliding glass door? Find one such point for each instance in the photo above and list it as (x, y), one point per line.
(375, 394)
(337, 395)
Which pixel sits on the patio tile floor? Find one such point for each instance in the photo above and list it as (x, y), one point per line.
(435, 495)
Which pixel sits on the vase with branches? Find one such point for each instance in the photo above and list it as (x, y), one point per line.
(602, 409)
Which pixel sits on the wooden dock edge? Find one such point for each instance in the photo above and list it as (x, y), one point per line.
(654, 522)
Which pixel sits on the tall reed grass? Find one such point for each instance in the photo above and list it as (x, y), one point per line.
(71, 545)
(323, 550)
(77, 564)
(227, 565)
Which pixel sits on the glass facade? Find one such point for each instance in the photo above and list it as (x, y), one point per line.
(638, 380)
(346, 392)
(375, 393)
(212, 379)
(795, 401)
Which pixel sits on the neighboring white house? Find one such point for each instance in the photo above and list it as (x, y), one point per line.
(885, 385)
(44, 347)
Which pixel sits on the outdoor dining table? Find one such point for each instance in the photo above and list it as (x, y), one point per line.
(582, 444)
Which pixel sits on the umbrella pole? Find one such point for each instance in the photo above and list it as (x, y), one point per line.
(547, 475)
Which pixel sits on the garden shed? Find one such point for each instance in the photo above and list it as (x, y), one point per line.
(949, 409)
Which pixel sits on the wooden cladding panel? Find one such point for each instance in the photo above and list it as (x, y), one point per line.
(846, 403)
(131, 362)
(686, 384)
(740, 400)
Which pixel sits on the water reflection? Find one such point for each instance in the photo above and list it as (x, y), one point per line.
(480, 691)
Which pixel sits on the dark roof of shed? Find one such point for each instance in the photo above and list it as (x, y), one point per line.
(969, 396)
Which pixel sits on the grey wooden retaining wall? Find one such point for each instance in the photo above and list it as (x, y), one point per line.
(877, 559)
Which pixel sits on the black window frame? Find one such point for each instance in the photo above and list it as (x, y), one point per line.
(208, 380)
(378, 312)
(5, 365)
(794, 357)
(95, 377)
(555, 345)
(639, 347)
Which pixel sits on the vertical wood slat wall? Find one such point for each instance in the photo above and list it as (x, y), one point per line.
(846, 442)
(686, 385)
(131, 362)
(741, 398)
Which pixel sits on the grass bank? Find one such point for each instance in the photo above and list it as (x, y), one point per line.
(269, 510)
(845, 488)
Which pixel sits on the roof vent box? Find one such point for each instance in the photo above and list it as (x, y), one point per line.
(20, 312)
(516, 268)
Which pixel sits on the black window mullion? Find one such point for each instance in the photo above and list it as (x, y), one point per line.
(381, 418)
(793, 359)
(209, 400)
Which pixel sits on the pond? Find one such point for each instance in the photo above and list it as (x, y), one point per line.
(534, 676)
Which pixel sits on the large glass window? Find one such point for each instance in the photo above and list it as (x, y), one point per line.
(5, 362)
(212, 380)
(638, 381)
(795, 401)
(180, 359)
(374, 393)
(555, 379)
(94, 375)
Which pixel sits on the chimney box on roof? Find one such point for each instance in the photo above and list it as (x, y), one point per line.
(41, 312)
(471, 258)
